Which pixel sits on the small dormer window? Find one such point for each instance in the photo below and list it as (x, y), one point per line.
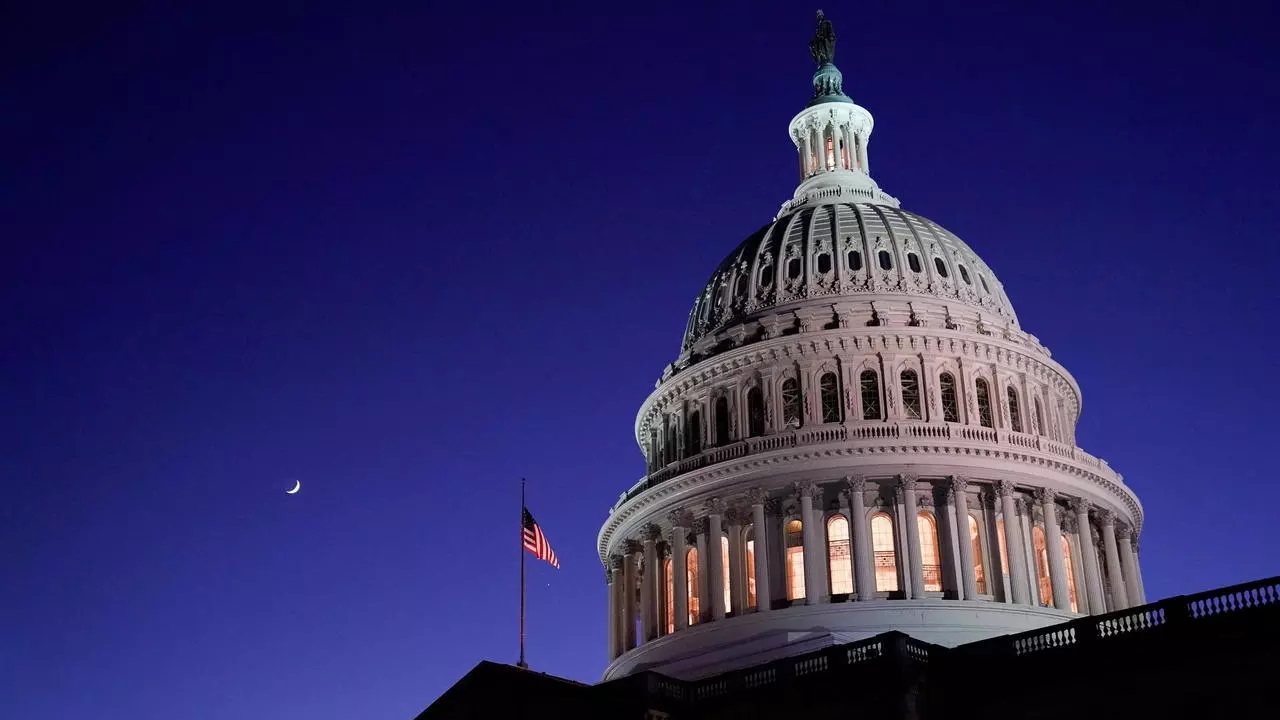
(941, 266)
(886, 260)
(794, 266)
(824, 263)
(964, 275)
(855, 260)
(983, 280)
(913, 261)
(766, 276)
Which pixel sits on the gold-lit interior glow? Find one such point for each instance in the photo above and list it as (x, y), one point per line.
(883, 546)
(839, 562)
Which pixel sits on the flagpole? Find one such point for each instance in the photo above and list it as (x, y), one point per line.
(522, 663)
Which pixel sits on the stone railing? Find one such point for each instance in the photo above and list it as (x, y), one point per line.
(861, 432)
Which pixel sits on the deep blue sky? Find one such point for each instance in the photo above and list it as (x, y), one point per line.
(408, 254)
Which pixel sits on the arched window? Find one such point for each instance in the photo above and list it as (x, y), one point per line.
(724, 566)
(794, 266)
(1039, 417)
(950, 402)
(979, 570)
(1015, 413)
(693, 434)
(930, 558)
(740, 286)
(870, 395)
(691, 584)
(1042, 567)
(913, 262)
(722, 420)
(984, 403)
(1071, 573)
(941, 266)
(886, 560)
(670, 596)
(755, 412)
(766, 276)
(964, 275)
(672, 450)
(886, 260)
(855, 260)
(829, 388)
(750, 535)
(795, 560)
(839, 567)
(824, 263)
(791, 404)
(911, 393)
(983, 280)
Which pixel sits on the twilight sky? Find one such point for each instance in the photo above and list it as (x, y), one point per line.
(408, 254)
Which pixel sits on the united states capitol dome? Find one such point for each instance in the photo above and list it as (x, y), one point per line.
(857, 436)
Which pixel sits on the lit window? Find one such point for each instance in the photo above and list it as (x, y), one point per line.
(838, 562)
(751, 566)
(831, 149)
(930, 558)
(829, 386)
(1004, 550)
(941, 266)
(691, 584)
(855, 260)
(913, 262)
(724, 566)
(1071, 573)
(1015, 413)
(795, 560)
(791, 404)
(950, 403)
(979, 571)
(755, 412)
(885, 558)
(984, 404)
(886, 260)
(964, 274)
(870, 395)
(1042, 567)
(722, 420)
(911, 393)
(824, 263)
(670, 596)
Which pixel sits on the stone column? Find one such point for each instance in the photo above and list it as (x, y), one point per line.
(679, 571)
(1137, 572)
(1119, 597)
(704, 597)
(968, 579)
(864, 576)
(715, 557)
(954, 535)
(1128, 564)
(911, 526)
(1053, 546)
(760, 533)
(812, 591)
(1088, 557)
(630, 557)
(998, 582)
(1013, 544)
(614, 574)
(1026, 519)
(737, 567)
(649, 590)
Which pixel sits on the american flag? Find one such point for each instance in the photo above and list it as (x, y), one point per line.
(535, 542)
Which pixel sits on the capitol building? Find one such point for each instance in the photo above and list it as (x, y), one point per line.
(863, 494)
(858, 435)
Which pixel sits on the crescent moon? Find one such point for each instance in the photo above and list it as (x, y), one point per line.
(296, 487)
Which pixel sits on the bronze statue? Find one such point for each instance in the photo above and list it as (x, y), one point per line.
(823, 44)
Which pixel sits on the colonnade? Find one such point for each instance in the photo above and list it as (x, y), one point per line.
(865, 539)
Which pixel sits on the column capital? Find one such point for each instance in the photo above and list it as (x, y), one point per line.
(679, 519)
(732, 515)
(630, 547)
(1045, 496)
(715, 506)
(805, 489)
(652, 532)
(757, 496)
(700, 526)
(957, 483)
(773, 507)
(1004, 488)
(615, 561)
(1079, 506)
(1123, 531)
(855, 483)
(1106, 517)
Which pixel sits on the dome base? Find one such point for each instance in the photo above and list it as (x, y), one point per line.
(757, 638)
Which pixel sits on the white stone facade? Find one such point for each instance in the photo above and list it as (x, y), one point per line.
(856, 368)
